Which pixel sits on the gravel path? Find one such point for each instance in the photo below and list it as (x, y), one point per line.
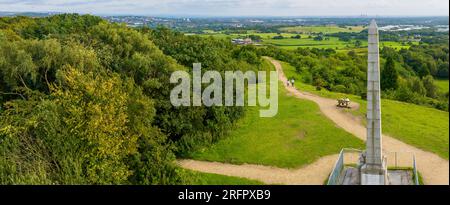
(434, 169)
(312, 174)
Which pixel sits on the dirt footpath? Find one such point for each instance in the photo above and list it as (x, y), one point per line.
(312, 174)
(434, 169)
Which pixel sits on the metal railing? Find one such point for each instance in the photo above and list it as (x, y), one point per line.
(416, 175)
(346, 156)
(403, 160)
(336, 171)
(391, 160)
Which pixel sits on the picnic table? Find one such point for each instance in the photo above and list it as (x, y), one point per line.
(343, 102)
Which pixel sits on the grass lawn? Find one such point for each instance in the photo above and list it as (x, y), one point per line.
(298, 135)
(201, 178)
(422, 127)
(442, 85)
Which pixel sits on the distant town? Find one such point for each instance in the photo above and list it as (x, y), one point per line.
(198, 24)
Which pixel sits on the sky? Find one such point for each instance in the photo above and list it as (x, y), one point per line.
(235, 7)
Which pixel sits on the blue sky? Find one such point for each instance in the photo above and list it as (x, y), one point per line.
(236, 7)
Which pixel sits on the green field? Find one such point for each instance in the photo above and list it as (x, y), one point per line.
(422, 127)
(332, 42)
(323, 29)
(289, 43)
(264, 36)
(201, 178)
(442, 85)
(298, 135)
(306, 41)
(395, 45)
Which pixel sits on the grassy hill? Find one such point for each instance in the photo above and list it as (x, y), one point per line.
(422, 127)
(298, 135)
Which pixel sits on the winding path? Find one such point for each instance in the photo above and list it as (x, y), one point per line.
(434, 169)
(311, 174)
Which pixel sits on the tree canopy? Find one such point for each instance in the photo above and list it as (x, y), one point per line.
(85, 101)
(389, 75)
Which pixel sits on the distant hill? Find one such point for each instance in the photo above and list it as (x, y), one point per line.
(29, 14)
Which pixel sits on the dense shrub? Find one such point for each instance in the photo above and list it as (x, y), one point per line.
(84, 101)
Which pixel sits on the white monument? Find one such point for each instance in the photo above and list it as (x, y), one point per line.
(371, 167)
(373, 170)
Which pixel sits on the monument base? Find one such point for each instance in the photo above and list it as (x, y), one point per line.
(373, 176)
(372, 179)
(350, 169)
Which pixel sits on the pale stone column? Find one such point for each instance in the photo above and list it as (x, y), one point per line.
(373, 171)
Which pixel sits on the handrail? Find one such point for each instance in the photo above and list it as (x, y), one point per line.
(351, 150)
(335, 166)
(416, 176)
(335, 175)
(340, 162)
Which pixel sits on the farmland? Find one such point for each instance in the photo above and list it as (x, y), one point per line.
(307, 35)
(322, 29)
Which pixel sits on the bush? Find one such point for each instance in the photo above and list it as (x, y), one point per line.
(307, 78)
(339, 89)
(363, 95)
(278, 37)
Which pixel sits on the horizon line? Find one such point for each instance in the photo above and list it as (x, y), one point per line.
(224, 16)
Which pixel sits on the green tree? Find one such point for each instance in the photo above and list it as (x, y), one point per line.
(255, 38)
(318, 38)
(389, 75)
(428, 83)
(417, 86)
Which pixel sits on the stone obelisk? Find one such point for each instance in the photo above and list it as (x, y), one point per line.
(373, 170)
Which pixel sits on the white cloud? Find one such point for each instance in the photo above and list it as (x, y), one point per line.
(235, 7)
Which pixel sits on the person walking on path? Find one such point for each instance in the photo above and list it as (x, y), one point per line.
(292, 82)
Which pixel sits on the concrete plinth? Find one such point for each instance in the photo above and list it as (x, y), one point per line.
(352, 176)
(373, 176)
